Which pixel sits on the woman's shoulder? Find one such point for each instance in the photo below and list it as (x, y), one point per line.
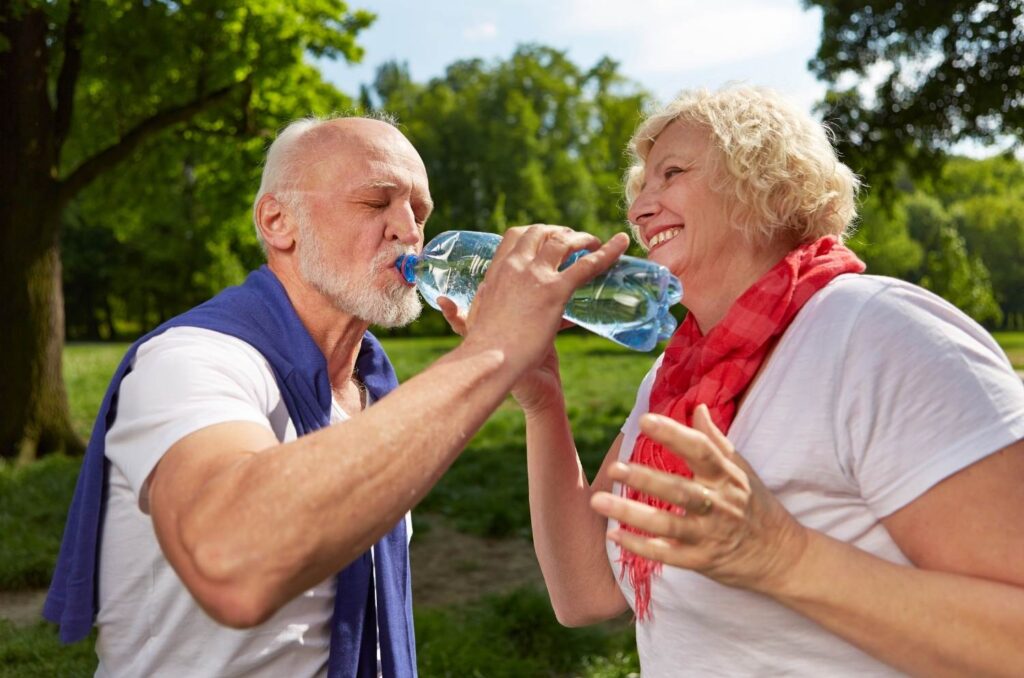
(902, 324)
(879, 304)
(859, 292)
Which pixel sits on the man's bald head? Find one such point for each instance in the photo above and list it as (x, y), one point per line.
(304, 148)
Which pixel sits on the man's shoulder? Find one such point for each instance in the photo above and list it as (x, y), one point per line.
(195, 348)
(198, 339)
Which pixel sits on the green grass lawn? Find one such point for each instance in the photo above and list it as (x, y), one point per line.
(1013, 344)
(514, 634)
(33, 505)
(87, 372)
(484, 493)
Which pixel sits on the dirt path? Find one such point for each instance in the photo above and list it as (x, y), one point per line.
(448, 567)
(22, 607)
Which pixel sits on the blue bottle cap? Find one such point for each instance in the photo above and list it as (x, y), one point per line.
(406, 265)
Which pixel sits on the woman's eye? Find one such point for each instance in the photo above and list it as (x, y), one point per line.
(672, 171)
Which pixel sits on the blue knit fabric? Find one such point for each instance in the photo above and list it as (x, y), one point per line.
(259, 313)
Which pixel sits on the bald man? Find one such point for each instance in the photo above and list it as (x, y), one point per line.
(243, 506)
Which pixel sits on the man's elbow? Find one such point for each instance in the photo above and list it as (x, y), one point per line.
(224, 586)
(235, 608)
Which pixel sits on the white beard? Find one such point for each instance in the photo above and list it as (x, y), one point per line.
(393, 305)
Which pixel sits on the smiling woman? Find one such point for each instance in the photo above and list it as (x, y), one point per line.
(745, 183)
(786, 496)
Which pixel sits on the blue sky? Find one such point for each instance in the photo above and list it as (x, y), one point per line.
(665, 45)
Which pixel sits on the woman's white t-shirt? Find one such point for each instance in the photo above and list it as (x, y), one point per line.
(877, 391)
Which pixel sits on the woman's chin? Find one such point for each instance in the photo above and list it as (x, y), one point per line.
(669, 255)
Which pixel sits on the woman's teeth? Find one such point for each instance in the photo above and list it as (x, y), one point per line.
(667, 234)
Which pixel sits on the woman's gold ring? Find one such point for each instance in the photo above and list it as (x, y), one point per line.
(705, 505)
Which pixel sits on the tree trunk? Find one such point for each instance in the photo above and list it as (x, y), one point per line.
(33, 399)
(32, 393)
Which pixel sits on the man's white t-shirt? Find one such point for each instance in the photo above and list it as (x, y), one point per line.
(149, 625)
(877, 391)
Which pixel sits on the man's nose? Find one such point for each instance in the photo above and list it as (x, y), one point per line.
(403, 227)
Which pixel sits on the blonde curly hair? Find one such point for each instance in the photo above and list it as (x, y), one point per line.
(776, 161)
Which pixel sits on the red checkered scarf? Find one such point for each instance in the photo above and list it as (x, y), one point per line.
(716, 369)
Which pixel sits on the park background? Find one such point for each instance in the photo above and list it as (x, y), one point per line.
(132, 136)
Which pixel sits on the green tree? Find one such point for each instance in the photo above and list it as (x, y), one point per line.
(966, 178)
(986, 201)
(908, 78)
(883, 241)
(90, 86)
(915, 238)
(948, 268)
(534, 138)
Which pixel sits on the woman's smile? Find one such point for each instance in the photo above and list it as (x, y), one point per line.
(664, 236)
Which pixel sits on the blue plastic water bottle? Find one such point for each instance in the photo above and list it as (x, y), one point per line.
(628, 304)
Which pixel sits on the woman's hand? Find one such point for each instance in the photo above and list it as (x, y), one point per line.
(730, 527)
(539, 388)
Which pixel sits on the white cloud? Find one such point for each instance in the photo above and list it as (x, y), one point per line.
(485, 30)
(660, 36)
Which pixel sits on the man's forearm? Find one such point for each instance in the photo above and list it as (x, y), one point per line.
(288, 517)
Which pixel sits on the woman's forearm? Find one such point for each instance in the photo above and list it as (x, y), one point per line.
(568, 535)
(920, 621)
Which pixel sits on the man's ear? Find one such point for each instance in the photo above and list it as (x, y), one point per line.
(275, 223)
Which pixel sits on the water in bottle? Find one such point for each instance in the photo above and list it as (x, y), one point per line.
(628, 304)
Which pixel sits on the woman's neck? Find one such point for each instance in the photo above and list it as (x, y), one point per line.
(710, 296)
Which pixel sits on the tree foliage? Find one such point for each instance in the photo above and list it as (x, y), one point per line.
(985, 200)
(530, 138)
(135, 131)
(162, 91)
(909, 78)
(961, 236)
(534, 138)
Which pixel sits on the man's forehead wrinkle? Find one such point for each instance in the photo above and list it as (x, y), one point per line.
(380, 183)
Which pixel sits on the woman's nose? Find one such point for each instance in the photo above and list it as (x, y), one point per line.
(641, 210)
